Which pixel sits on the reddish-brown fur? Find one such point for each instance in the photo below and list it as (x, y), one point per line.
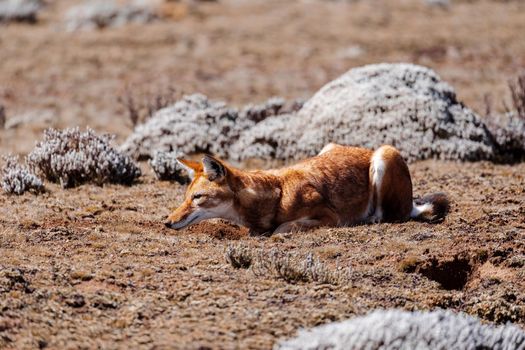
(396, 188)
(334, 188)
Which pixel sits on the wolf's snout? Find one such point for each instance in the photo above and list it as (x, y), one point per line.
(169, 224)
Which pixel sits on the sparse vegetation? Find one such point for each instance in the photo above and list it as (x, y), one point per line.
(139, 110)
(517, 92)
(166, 167)
(99, 14)
(19, 10)
(508, 130)
(133, 271)
(2, 117)
(239, 256)
(18, 179)
(284, 266)
(280, 265)
(499, 308)
(196, 124)
(71, 157)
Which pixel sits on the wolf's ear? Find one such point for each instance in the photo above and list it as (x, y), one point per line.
(190, 166)
(213, 168)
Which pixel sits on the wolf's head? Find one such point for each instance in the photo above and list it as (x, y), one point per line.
(208, 196)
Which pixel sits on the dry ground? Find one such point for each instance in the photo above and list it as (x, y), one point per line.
(94, 266)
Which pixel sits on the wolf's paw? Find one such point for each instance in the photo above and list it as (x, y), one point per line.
(374, 219)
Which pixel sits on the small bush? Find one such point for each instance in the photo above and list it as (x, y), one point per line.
(166, 167)
(71, 157)
(290, 268)
(196, 124)
(239, 256)
(317, 271)
(18, 179)
(293, 269)
(19, 10)
(107, 13)
(283, 266)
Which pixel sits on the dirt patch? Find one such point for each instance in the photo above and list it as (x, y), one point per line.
(218, 229)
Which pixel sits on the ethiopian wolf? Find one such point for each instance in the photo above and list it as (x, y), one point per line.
(341, 186)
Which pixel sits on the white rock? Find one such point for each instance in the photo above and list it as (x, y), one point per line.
(404, 105)
(396, 329)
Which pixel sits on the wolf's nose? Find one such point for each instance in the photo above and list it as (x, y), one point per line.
(168, 224)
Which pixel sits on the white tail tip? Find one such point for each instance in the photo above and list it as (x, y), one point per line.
(418, 210)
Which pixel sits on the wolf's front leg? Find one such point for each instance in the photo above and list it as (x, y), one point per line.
(304, 224)
(297, 225)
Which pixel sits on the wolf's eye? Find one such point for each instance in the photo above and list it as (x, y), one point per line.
(197, 196)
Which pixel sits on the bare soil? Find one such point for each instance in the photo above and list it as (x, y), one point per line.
(95, 267)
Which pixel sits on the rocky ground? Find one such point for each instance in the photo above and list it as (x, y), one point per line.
(94, 266)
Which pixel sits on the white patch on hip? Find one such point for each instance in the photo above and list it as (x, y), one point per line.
(378, 168)
(327, 148)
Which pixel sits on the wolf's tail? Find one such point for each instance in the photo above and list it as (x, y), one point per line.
(431, 208)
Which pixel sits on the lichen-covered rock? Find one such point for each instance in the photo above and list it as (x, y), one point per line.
(509, 136)
(193, 124)
(274, 106)
(18, 179)
(404, 105)
(396, 329)
(107, 13)
(196, 124)
(19, 10)
(166, 167)
(72, 157)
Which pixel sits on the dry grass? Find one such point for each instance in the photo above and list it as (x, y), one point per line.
(517, 93)
(508, 129)
(141, 107)
(239, 256)
(289, 267)
(2, 117)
